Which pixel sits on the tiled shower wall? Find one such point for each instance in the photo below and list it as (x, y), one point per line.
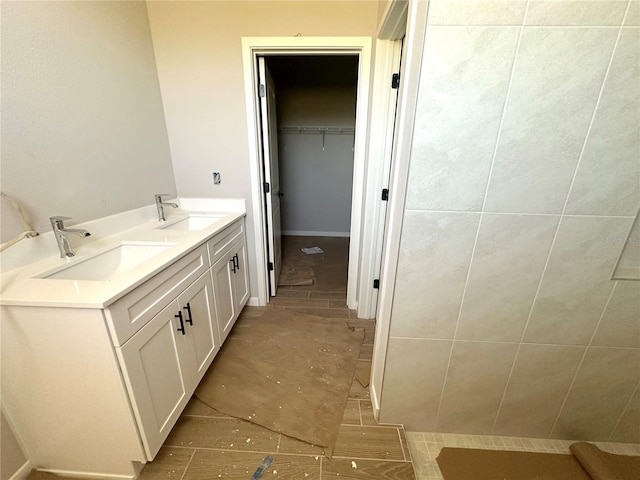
(523, 185)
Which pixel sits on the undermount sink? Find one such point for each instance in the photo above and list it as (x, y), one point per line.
(193, 222)
(110, 263)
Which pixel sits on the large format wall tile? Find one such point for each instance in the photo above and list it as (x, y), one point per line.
(538, 385)
(466, 74)
(510, 255)
(576, 283)
(633, 15)
(555, 85)
(602, 388)
(628, 428)
(620, 324)
(414, 374)
(432, 269)
(476, 12)
(576, 12)
(608, 178)
(476, 378)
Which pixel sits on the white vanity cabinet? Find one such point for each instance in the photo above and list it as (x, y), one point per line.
(95, 391)
(164, 362)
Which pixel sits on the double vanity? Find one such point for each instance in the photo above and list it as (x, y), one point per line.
(102, 351)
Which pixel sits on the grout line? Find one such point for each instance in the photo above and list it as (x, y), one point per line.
(564, 208)
(518, 25)
(373, 459)
(278, 446)
(624, 410)
(360, 411)
(188, 464)
(566, 397)
(321, 459)
(522, 214)
(404, 455)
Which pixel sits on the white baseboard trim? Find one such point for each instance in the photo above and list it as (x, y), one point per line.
(375, 403)
(73, 474)
(23, 472)
(307, 233)
(254, 302)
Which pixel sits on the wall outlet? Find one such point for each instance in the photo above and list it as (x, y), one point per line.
(216, 178)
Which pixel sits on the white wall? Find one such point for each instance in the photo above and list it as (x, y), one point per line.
(523, 183)
(83, 132)
(316, 173)
(199, 58)
(11, 456)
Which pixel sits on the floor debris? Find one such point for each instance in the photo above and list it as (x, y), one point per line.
(268, 460)
(312, 250)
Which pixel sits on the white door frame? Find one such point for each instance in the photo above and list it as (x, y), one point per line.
(251, 48)
(416, 25)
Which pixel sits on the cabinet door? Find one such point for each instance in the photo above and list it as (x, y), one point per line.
(222, 276)
(155, 361)
(198, 312)
(241, 278)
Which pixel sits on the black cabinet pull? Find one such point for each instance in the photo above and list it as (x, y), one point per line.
(236, 263)
(181, 327)
(233, 264)
(189, 320)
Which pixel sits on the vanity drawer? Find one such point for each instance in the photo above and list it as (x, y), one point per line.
(220, 244)
(132, 312)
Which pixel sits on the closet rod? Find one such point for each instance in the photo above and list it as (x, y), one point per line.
(318, 130)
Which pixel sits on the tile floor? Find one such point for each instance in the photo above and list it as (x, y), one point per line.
(425, 447)
(208, 444)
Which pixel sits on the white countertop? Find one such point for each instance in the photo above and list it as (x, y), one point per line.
(20, 285)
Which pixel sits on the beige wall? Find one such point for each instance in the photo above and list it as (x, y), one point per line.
(11, 456)
(83, 132)
(199, 57)
(525, 173)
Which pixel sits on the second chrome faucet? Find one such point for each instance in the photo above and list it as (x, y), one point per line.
(160, 205)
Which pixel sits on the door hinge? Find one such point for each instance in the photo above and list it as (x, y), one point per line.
(261, 90)
(270, 266)
(376, 283)
(395, 81)
(266, 187)
(385, 194)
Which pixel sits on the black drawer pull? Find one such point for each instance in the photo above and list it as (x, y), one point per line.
(189, 320)
(181, 327)
(236, 263)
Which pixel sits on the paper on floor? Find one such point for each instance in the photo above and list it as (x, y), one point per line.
(312, 250)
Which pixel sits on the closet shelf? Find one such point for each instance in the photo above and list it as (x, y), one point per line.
(318, 130)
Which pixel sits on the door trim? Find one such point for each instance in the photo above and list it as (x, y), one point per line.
(406, 111)
(255, 46)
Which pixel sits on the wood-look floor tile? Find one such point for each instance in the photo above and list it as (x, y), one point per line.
(298, 447)
(170, 462)
(280, 301)
(288, 293)
(226, 433)
(358, 391)
(366, 352)
(321, 312)
(368, 325)
(366, 410)
(357, 469)
(369, 337)
(214, 464)
(329, 295)
(201, 409)
(337, 304)
(382, 443)
(351, 413)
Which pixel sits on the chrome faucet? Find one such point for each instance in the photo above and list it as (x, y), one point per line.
(62, 234)
(160, 204)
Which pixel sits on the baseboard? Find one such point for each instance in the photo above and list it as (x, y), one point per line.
(307, 233)
(23, 472)
(253, 302)
(375, 403)
(73, 474)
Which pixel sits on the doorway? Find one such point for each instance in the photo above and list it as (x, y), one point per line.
(315, 99)
(253, 49)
